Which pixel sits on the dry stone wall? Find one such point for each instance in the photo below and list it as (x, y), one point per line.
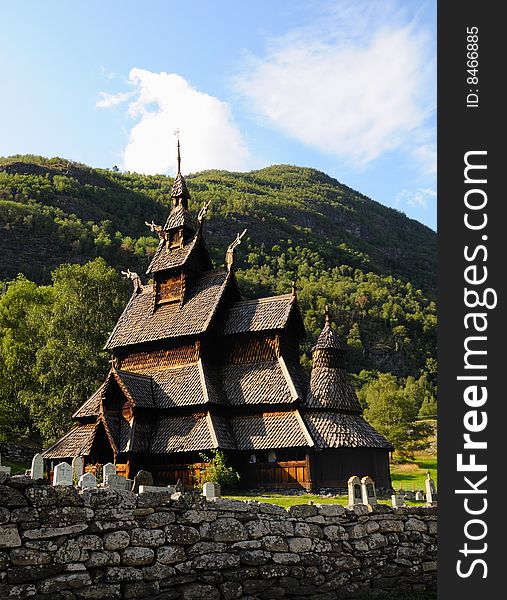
(62, 544)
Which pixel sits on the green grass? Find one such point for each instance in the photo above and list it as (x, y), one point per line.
(289, 500)
(16, 468)
(412, 474)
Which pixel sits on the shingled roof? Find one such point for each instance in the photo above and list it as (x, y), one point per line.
(258, 383)
(332, 388)
(268, 430)
(139, 323)
(77, 442)
(137, 387)
(92, 406)
(329, 339)
(258, 315)
(335, 430)
(173, 257)
(182, 434)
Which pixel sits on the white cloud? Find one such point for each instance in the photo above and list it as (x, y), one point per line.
(110, 100)
(355, 85)
(164, 102)
(418, 198)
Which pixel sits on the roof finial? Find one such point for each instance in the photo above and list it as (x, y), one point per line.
(327, 316)
(229, 255)
(136, 280)
(177, 134)
(294, 288)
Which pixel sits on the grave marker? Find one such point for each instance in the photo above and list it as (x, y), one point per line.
(211, 490)
(87, 481)
(37, 470)
(419, 496)
(431, 490)
(77, 467)
(369, 495)
(354, 487)
(116, 482)
(107, 470)
(142, 478)
(397, 500)
(62, 474)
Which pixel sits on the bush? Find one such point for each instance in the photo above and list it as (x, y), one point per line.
(217, 471)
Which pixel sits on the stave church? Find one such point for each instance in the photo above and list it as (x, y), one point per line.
(195, 367)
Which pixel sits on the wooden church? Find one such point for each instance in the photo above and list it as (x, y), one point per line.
(195, 367)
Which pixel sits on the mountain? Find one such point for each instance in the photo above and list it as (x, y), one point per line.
(372, 264)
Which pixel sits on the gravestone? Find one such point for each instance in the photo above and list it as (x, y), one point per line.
(419, 496)
(409, 495)
(87, 481)
(37, 470)
(107, 470)
(77, 467)
(179, 487)
(142, 478)
(397, 500)
(431, 490)
(62, 474)
(354, 488)
(369, 495)
(211, 490)
(116, 482)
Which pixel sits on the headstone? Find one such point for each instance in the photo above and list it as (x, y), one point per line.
(37, 470)
(409, 495)
(142, 478)
(77, 467)
(179, 487)
(211, 490)
(87, 481)
(355, 494)
(107, 470)
(431, 490)
(62, 474)
(116, 482)
(419, 496)
(397, 500)
(128, 484)
(369, 495)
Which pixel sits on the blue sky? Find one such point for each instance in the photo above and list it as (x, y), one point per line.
(347, 87)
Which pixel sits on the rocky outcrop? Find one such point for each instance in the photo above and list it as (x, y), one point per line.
(59, 543)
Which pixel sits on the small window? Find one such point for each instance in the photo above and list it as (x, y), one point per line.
(272, 456)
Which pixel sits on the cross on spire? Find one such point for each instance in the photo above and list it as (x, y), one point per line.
(177, 134)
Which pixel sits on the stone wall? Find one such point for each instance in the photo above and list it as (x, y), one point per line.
(59, 543)
(17, 453)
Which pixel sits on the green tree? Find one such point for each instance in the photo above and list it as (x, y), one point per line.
(393, 413)
(21, 307)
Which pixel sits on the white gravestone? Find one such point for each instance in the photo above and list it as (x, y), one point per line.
(116, 482)
(397, 500)
(368, 490)
(62, 474)
(37, 470)
(107, 470)
(419, 496)
(77, 467)
(355, 495)
(431, 490)
(87, 481)
(211, 490)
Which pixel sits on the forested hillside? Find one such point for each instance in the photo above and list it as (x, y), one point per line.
(374, 267)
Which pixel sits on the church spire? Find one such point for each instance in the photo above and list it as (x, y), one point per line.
(179, 190)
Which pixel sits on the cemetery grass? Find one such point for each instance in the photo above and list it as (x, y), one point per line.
(287, 500)
(16, 468)
(412, 474)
